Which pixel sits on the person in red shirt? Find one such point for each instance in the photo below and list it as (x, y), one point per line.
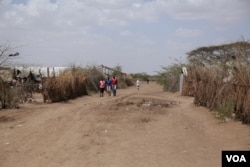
(102, 85)
(114, 83)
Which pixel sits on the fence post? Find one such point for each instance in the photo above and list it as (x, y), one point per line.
(48, 72)
(181, 82)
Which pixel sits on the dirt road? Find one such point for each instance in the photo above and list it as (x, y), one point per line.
(145, 128)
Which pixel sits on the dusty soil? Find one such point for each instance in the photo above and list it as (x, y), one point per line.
(145, 128)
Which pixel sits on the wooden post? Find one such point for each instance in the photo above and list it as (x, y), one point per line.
(48, 72)
(54, 74)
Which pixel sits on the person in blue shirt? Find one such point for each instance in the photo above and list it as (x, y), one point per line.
(108, 86)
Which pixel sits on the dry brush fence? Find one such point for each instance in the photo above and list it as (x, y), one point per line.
(219, 79)
(242, 93)
(71, 83)
(216, 89)
(68, 85)
(76, 82)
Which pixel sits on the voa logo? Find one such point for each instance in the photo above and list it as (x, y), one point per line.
(236, 158)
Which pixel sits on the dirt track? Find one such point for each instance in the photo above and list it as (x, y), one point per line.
(145, 128)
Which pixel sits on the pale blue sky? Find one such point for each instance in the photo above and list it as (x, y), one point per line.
(138, 35)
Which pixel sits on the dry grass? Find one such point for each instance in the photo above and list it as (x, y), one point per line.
(209, 90)
(242, 93)
(68, 85)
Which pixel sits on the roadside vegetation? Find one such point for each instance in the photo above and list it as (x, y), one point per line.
(218, 78)
(70, 83)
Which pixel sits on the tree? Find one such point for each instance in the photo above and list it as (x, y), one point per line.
(142, 76)
(5, 54)
(169, 77)
(117, 70)
(220, 54)
(6, 97)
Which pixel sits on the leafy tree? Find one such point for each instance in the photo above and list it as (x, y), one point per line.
(142, 76)
(220, 54)
(117, 70)
(169, 77)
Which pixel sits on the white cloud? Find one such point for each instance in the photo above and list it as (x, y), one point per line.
(111, 4)
(125, 33)
(82, 31)
(184, 32)
(145, 41)
(213, 10)
(137, 5)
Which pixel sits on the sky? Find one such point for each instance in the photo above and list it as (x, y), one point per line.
(137, 35)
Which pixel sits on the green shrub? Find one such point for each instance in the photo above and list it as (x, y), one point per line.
(225, 110)
(169, 77)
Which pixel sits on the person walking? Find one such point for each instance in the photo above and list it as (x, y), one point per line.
(108, 86)
(102, 87)
(138, 84)
(114, 83)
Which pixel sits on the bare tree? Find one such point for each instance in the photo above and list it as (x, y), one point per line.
(5, 53)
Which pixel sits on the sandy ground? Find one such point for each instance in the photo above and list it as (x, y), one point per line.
(145, 128)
